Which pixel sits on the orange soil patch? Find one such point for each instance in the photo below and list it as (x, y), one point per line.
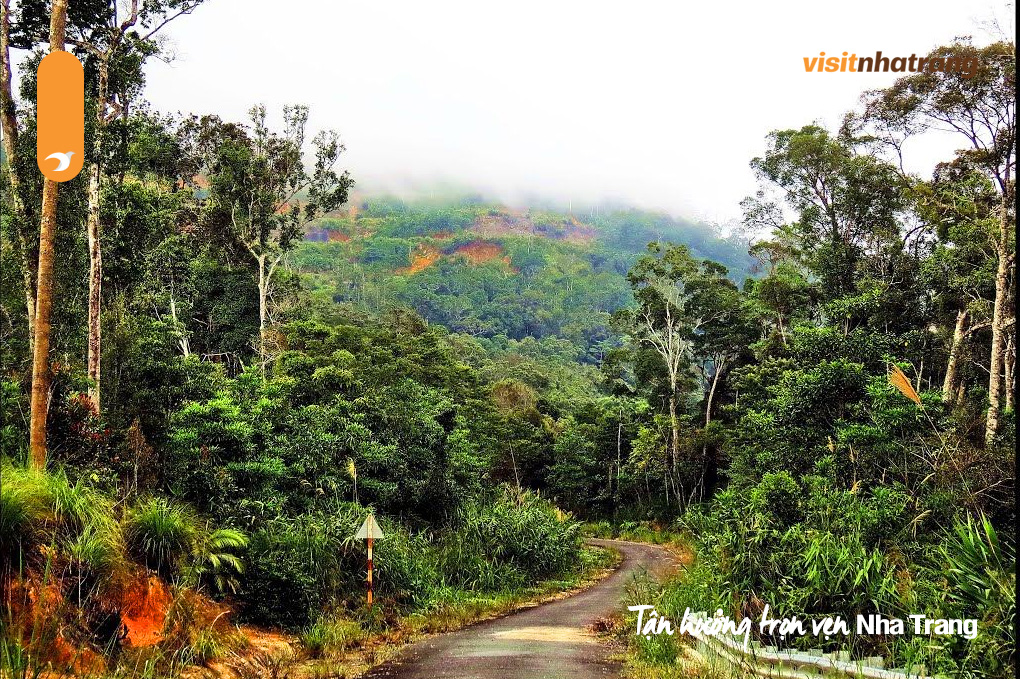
(479, 252)
(144, 610)
(338, 236)
(424, 256)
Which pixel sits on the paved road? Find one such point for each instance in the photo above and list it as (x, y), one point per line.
(546, 642)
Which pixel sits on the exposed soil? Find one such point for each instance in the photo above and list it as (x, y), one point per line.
(479, 252)
(422, 258)
(144, 611)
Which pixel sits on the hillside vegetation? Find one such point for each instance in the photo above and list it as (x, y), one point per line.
(490, 271)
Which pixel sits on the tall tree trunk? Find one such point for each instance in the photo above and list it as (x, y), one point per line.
(95, 325)
(41, 348)
(952, 366)
(999, 326)
(1009, 366)
(708, 420)
(263, 311)
(183, 342)
(44, 276)
(11, 133)
(674, 424)
(619, 456)
(711, 392)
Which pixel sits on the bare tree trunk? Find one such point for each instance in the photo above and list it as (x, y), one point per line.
(619, 455)
(9, 123)
(1009, 373)
(674, 424)
(711, 392)
(263, 311)
(184, 343)
(44, 276)
(708, 420)
(95, 325)
(999, 328)
(952, 366)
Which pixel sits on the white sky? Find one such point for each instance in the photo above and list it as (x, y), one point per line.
(657, 104)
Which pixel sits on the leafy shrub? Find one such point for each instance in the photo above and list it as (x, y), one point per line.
(407, 567)
(215, 560)
(295, 566)
(778, 496)
(173, 541)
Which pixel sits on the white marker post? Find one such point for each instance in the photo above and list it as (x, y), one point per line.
(370, 531)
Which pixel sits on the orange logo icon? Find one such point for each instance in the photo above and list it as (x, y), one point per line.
(60, 141)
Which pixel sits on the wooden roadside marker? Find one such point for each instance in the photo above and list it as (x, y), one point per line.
(370, 531)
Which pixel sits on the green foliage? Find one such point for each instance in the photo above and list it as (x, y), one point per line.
(330, 634)
(171, 540)
(516, 538)
(161, 533)
(980, 571)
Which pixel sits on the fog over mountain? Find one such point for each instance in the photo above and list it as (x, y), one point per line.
(576, 101)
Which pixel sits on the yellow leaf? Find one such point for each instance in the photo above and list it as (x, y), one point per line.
(900, 381)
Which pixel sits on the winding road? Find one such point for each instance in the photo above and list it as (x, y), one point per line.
(549, 641)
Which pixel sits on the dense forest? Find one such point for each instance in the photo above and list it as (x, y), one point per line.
(486, 270)
(218, 359)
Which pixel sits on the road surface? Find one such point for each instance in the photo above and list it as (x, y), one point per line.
(550, 641)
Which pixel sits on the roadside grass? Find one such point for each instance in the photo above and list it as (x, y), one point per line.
(341, 644)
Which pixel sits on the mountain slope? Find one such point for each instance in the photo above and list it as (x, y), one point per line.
(491, 271)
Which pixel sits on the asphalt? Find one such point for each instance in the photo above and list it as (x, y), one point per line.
(549, 641)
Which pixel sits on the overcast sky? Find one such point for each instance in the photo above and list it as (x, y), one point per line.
(658, 104)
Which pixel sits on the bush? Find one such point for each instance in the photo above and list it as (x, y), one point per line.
(295, 567)
(517, 537)
(407, 567)
(170, 539)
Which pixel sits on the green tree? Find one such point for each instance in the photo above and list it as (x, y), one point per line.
(981, 110)
(261, 195)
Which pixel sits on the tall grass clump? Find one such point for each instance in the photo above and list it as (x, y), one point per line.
(516, 538)
(299, 566)
(44, 508)
(24, 505)
(160, 533)
(980, 570)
